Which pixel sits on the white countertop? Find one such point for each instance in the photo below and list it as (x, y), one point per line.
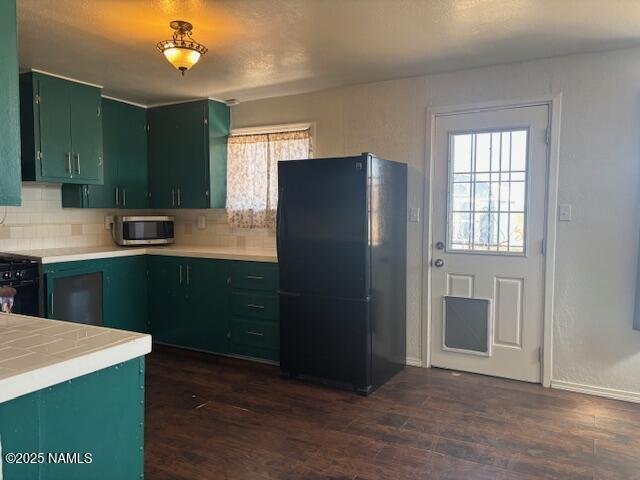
(36, 353)
(55, 255)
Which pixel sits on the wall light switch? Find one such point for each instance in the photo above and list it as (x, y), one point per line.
(414, 214)
(564, 212)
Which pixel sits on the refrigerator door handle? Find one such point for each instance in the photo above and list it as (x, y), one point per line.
(279, 221)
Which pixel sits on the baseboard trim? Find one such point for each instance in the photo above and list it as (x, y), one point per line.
(414, 361)
(613, 393)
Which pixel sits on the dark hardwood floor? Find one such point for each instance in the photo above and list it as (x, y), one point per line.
(211, 417)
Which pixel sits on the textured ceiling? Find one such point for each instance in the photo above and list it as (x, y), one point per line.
(262, 48)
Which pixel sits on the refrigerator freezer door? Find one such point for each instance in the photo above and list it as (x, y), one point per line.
(323, 227)
(326, 338)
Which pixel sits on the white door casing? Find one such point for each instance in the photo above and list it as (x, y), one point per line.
(488, 194)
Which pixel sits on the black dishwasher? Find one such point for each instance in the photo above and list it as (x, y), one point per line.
(76, 297)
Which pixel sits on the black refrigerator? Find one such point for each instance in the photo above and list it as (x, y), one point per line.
(341, 238)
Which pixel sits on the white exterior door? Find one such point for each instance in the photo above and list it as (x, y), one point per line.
(487, 260)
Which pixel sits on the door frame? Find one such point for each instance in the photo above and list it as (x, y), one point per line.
(554, 104)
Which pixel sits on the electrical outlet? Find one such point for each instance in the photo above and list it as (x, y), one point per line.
(564, 212)
(414, 214)
(108, 221)
(201, 222)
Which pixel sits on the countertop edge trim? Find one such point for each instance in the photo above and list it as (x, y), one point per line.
(77, 257)
(49, 375)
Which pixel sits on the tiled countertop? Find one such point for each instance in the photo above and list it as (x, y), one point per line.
(36, 353)
(55, 255)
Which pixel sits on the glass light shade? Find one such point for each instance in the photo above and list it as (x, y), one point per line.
(181, 58)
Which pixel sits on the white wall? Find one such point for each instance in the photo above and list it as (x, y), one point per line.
(599, 175)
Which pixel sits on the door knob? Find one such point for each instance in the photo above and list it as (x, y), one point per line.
(439, 263)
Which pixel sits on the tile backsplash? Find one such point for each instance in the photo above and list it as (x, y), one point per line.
(41, 222)
(217, 231)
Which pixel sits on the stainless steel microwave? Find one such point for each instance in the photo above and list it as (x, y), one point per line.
(143, 230)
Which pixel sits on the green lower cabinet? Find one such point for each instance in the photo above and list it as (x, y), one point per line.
(125, 294)
(101, 414)
(185, 302)
(207, 305)
(167, 299)
(255, 310)
(254, 276)
(261, 305)
(192, 305)
(188, 302)
(255, 338)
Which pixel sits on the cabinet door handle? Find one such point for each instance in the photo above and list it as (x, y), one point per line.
(179, 197)
(255, 277)
(124, 197)
(188, 274)
(51, 309)
(68, 155)
(173, 197)
(257, 334)
(254, 305)
(78, 162)
(117, 197)
(180, 274)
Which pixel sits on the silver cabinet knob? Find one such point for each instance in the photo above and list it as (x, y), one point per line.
(439, 263)
(439, 245)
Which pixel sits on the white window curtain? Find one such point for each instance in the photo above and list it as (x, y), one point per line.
(252, 174)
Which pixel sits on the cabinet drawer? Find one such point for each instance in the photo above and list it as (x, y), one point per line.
(255, 333)
(254, 276)
(256, 305)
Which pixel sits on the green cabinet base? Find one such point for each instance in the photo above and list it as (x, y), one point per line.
(217, 306)
(101, 414)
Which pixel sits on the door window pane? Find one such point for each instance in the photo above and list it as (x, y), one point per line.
(462, 153)
(488, 192)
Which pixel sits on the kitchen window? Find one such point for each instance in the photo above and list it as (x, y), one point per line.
(252, 171)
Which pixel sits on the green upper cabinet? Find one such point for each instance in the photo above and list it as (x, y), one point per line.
(124, 133)
(188, 154)
(10, 179)
(61, 126)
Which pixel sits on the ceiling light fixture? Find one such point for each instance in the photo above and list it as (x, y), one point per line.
(182, 51)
